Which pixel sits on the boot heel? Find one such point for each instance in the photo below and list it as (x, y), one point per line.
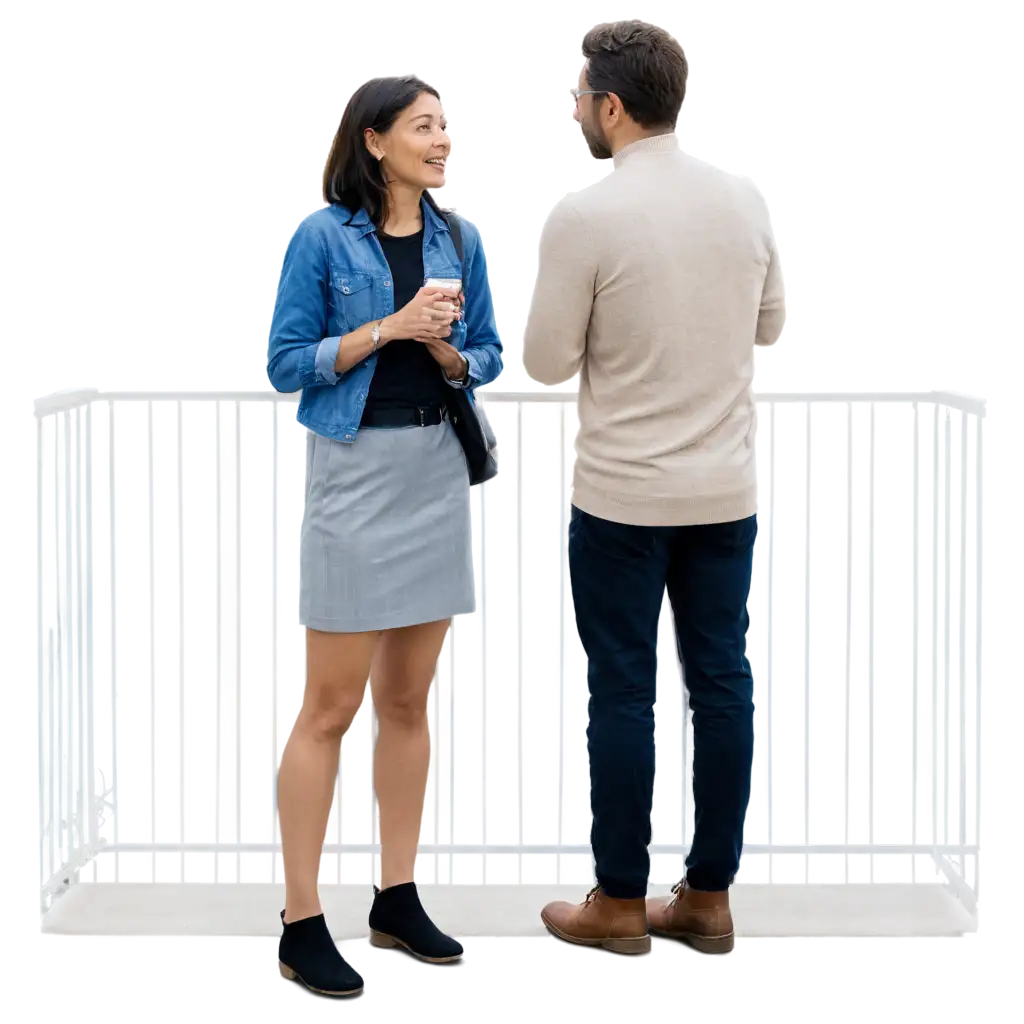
(286, 971)
(719, 944)
(382, 940)
(641, 944)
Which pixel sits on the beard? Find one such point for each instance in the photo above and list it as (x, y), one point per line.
(596, 142)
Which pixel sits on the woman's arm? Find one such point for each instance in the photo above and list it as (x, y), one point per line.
(355, 347)
(483, 348)
(299, 355)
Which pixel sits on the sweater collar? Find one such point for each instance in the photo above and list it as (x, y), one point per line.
(655, 144)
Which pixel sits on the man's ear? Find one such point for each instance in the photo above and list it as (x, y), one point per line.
(613, 106)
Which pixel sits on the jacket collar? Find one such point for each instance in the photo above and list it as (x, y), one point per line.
(432, 223)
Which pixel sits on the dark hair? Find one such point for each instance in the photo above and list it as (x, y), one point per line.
(352, 177)
(643, 65)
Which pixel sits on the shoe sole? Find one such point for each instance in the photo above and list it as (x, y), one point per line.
(629, 947)
(290, 975)
(383, 941)
(701, 943)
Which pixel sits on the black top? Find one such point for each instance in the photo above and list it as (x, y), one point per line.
(407, 376)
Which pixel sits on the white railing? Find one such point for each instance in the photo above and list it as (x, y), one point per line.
(171, 662)
(948, 754)
(999, 890)
(65, 845)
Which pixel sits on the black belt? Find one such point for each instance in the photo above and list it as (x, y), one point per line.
(428, 416)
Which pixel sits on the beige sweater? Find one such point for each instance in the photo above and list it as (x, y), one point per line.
(654, 285)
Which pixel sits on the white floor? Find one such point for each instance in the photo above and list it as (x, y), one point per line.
(498, 910)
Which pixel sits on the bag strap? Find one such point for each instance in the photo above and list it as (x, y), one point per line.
(456, 229)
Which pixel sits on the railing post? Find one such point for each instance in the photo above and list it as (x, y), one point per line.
(153, 631)
(767, 697)
(1001, 726)
(808, 639)
(948, 571)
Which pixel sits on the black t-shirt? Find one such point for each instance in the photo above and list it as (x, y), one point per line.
(407, 375)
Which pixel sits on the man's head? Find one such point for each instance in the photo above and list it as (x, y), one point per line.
(631, 86)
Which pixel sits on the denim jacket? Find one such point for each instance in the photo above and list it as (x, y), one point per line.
(335, 279)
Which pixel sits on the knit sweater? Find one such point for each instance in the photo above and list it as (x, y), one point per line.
(654, 285)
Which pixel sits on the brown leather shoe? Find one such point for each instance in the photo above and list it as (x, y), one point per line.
(700, 919)
(601, 920)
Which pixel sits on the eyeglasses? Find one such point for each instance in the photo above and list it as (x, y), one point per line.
(577, 93)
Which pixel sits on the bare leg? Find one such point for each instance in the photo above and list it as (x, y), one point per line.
(337, 666)
(355, 762)
(327, 872)
(403, 670)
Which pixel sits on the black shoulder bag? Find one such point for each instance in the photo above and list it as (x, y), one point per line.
(466, 415)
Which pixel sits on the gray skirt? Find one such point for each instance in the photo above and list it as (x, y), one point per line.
(386, 535)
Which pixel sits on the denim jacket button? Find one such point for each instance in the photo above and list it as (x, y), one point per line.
(345, 290)
(387, 284)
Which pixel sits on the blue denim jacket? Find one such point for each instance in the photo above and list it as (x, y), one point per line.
(335, 279)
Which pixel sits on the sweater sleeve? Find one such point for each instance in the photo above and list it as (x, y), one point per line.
(771, 317)
(556, 330)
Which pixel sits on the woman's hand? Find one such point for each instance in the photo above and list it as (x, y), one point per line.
(427, 318)
(450, 359)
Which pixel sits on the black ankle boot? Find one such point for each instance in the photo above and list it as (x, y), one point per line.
(307, 954)
(397, 918)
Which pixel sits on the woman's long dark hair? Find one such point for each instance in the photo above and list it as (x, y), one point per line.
(352, 177)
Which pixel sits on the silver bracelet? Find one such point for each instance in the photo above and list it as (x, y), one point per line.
(465, 375)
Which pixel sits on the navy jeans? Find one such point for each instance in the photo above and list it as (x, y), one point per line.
(619, 577)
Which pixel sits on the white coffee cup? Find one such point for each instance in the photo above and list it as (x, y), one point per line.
(447, 283)
(453, 284)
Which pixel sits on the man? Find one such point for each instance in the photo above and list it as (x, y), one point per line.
(655, 285)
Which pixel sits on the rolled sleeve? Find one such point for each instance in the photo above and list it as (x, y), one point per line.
(326, 359)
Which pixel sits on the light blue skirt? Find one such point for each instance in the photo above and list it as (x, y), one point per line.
(386, 535)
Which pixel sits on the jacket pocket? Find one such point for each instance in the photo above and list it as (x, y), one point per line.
(353, 299)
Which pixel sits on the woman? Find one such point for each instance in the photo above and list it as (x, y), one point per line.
(386, 556)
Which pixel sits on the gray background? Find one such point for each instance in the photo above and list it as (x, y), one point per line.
(150, 163)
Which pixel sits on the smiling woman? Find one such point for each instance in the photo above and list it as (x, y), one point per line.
(379, 315)
(407, 112)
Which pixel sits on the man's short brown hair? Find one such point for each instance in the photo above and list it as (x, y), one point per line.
(643, 65)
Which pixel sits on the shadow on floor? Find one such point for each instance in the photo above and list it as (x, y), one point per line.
(673, 975)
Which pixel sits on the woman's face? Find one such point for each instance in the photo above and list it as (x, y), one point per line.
(415, 148)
